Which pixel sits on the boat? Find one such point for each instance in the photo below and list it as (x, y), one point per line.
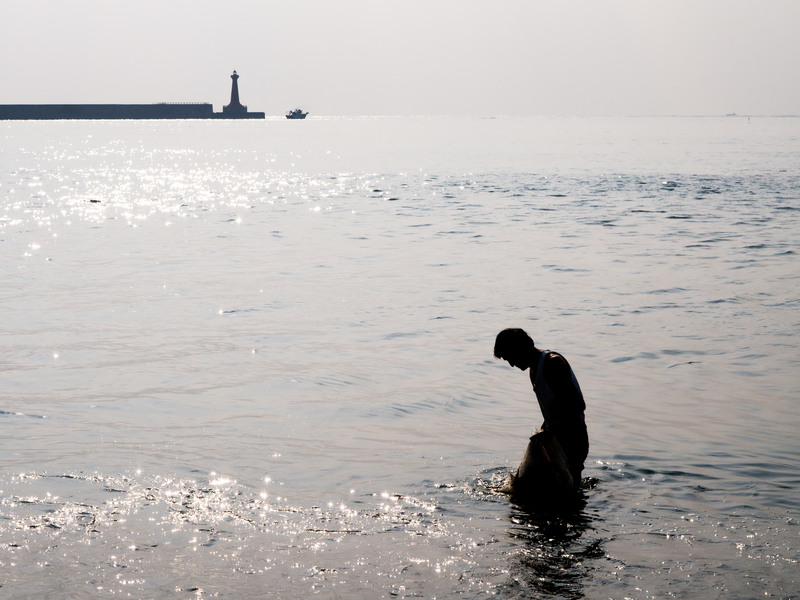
(296, 114)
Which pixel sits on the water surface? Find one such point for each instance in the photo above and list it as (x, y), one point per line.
(255, 358)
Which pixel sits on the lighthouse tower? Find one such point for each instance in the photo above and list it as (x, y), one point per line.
(235, 107)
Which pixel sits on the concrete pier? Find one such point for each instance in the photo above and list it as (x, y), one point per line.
(164, 110)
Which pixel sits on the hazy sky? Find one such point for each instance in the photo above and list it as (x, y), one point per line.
(409, 57)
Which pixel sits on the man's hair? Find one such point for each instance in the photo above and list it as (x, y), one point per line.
(514, 342)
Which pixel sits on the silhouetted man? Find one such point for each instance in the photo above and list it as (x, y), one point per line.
(557, 391)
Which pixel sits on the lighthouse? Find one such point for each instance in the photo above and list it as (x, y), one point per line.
(235, 107)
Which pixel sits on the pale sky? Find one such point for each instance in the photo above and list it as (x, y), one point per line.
(409, 57)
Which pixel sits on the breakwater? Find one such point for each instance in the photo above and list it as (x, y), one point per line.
(197, 110)
(162, 110)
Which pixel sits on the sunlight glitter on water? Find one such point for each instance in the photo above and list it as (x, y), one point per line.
(262, 395)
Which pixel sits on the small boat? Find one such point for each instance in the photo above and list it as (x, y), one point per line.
(296, 114)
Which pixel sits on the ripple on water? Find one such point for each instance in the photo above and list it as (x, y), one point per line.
(118, 533)
(99, 338)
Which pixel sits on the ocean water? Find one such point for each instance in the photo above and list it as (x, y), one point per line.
(254, 359)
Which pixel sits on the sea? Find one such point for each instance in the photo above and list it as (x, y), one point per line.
(254, 359)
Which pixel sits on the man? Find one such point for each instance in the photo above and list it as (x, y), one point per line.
(557, 391)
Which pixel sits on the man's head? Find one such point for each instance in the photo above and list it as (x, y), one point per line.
(514, 346)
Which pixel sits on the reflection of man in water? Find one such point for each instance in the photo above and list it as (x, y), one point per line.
(557, 391)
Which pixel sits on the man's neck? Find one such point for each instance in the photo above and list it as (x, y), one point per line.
(536, 355)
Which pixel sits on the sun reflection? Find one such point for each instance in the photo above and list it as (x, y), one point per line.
(121, 191)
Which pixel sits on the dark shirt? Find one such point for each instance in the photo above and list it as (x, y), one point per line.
(557, 391)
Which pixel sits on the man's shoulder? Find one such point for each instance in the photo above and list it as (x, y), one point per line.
(555, 363)
(555, 358)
